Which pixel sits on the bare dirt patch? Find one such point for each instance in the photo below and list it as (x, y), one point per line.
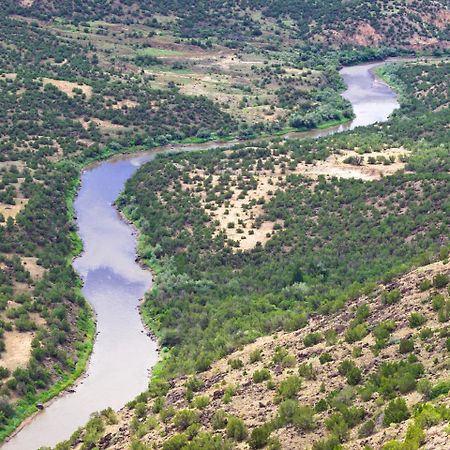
(13, 210)
(68, 87)
(18, 350)
(30, 264)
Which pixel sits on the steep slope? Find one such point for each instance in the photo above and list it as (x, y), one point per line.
(335, 379)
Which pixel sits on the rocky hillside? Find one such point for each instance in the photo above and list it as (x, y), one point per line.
(375, 372)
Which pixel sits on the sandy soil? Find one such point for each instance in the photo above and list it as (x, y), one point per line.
(30, 264)
(13, 210)
(67, 87)
(18, 350)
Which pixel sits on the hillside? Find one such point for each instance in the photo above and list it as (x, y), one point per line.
(334, 380)
(397, 23)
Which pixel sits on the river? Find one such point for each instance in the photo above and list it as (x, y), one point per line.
(114, 282)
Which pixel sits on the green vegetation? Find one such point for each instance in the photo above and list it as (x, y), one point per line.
(96, 78)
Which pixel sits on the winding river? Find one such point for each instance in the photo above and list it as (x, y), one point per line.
(114, 282)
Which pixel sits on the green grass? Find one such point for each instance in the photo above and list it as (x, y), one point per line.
(151, 51)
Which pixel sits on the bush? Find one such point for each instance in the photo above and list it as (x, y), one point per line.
(281, 356)
(440, 280)
(235, 364)
(219, 420)
(289, 387)
(201, 402)
(356, 333)
(330, 443)
(325, 358)
(337, 426)
(425, 387)
(425, 284)
(395, 412)
(312, 339)
(307, 371)
(321, 406)
(260, 436)
(348, 369)
(391, 297)
(184, 418)
(194, 384)
(406, 346)
(236, 429)
(304, 418)
(261, 375)
(366, 429)
(176, 442)
(416, 320)
(255, 356)
(4, 372)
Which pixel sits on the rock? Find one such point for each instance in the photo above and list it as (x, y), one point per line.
(40, 406)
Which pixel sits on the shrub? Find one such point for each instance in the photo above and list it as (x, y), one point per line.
(440, 280)
(426, 333)
(330, 443)
(235, 364)
(236, 429)
(330, 337)
(176, 442)
(366, 429)
(425, 387)
(281, 356)
(416, 320)
(312, 339)
(406, 345)
(307, 371)
(229, 392)
(4, 372)
(184, 418)
(140, 410)
(440, 388)
(437, 301)
(356, 333)
(201, 402)
(304, 418)
(348, 368)
(166, 414)
(325, 358)
(261, 375)
(219, 419)
(395, 412)
(255, 356)
(406, 383)
(289, 387)
(321, 406)
(203, 363)
(425, 284)
(260, 436)
(390, 297)
(337, 426)
(194, 384)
